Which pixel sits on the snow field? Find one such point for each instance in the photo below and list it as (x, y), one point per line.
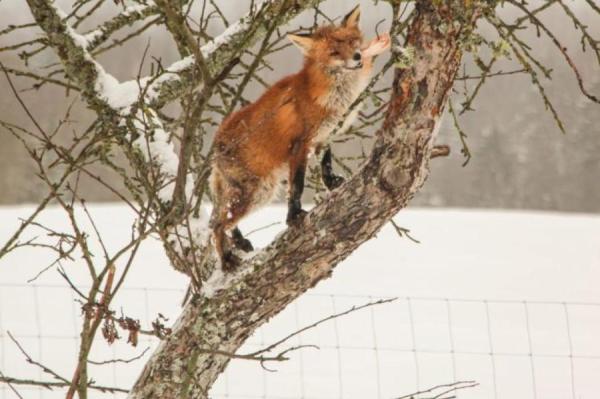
(483, 291)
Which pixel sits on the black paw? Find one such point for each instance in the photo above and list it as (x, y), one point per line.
(244, 244)
(240, 242)
(295, 216)
(332, 182)
(230, 261)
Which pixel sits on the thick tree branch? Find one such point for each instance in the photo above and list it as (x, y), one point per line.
(230, 309)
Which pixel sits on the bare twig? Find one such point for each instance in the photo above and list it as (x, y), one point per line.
(445, 388)
(111, 361)
(54, 384)
(315, 324)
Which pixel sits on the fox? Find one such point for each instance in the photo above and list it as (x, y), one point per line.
(260, 146)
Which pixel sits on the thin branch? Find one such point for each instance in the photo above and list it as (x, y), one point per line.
(461, 134)
(9, 382)
(447, 388)
(403, 232)
(55, 384)
(560, 47)
(30, 360)
(315, 324)
(112, 361)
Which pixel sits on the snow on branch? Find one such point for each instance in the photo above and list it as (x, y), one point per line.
(128, 16)
(157, 91)
(107, 96)
(118, 96)
(156, 146)
(121, 96)
(172, 76)
(220, 51)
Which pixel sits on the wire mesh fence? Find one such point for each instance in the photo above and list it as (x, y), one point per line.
(513, 349)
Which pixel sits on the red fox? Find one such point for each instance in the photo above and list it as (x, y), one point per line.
(262, 144)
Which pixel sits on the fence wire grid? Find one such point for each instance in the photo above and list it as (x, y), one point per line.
(513, 349)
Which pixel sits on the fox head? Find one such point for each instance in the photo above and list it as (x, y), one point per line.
(335, 47)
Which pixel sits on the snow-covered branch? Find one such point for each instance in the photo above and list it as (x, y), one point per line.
(127, 17)
(109, 98)
(227, 46)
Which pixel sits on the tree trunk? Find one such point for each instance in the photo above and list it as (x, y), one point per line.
(185, 365)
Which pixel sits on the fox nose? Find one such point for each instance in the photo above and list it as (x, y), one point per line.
(356, 56)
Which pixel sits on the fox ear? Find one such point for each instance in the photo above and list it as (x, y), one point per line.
(303, 41)
(352, 18)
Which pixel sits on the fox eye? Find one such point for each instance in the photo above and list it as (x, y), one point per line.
(334, 53)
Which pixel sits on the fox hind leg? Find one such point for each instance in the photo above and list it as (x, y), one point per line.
(221, 247)
(232, 203)
(225, 245)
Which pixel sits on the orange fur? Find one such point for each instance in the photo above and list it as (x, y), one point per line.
(269, 140)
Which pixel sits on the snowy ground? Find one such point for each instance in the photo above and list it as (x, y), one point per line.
(509, 299)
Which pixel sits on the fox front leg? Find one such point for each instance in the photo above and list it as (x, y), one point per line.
(295, 211)
(331, 180)
(298, 162)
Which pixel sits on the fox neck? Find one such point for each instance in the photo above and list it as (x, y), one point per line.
(334, 89)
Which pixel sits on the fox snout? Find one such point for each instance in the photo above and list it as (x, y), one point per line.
(355, 62)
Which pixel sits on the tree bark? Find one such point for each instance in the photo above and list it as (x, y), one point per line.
(186, 364)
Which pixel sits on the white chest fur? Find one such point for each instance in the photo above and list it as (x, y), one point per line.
(345, 90)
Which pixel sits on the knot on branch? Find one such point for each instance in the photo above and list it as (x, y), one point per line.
(405, 165)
